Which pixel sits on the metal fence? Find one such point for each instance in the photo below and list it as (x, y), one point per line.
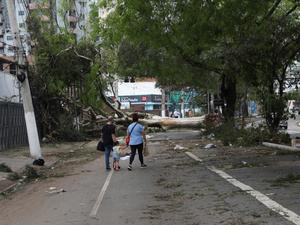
(12, 125)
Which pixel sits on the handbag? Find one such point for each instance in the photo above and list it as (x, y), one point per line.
(127, 139)
(145, 150)
(100, 146)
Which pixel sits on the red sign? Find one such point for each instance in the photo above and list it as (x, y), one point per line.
(144, 98)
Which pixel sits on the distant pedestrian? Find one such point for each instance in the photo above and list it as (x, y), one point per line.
(176, 114)
(109, 138)
(137, 140)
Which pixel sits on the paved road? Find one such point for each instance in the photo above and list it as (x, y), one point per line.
(294, 126)
(174, 189)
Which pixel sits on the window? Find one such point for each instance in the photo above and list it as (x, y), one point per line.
(148, 107)
(10, 49)
(82, 16)
(22, 25)
(21, 13)
(72, 25)
(156, 107)
(9, 38)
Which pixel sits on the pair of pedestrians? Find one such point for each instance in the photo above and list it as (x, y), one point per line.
(137, 140)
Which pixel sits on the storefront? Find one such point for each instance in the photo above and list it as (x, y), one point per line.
(142, 103)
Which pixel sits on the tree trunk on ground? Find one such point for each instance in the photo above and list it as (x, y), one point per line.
(165, 123)
(117, 111)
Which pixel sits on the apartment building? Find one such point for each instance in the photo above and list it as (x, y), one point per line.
(6, 37)
(75, 19)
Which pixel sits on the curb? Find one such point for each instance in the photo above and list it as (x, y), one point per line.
(281, 147)
(9, 187)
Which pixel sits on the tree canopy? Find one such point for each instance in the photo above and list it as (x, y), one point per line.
(212, 44)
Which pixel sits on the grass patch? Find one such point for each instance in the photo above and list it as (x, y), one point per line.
(241, 222)
(13, 176)
(4, 168)
(30, 173)
(244, 164)
(285, 152)
(161, 180)
(172, 185)
(178, 194)
(283, 181)
(163, 197)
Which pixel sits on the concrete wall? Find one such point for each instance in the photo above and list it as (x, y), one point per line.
(9, 88)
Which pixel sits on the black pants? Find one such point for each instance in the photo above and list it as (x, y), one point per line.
(133, 152)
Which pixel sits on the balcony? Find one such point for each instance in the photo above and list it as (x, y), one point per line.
(1, 45)
(72, 19)
(35, 5)
(45, 18)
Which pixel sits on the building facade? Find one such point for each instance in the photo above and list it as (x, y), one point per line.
(75, 19)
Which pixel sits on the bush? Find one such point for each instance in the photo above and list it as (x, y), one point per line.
(4, 168)
(229, 134)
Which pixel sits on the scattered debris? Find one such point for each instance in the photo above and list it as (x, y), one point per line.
(54, 190)
(244, 162)
(210, 146)
(125, 157)
(5, 168)
(30, 173)
(178, 147)
(211, 136)
(269, 194)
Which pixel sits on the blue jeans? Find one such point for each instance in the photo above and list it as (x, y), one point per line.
(108, 149)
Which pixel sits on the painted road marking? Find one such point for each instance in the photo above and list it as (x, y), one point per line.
(101, 195)
(193, 156)
(274, 206)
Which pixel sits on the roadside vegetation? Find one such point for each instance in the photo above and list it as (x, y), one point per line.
(239, 135)
(235, 50)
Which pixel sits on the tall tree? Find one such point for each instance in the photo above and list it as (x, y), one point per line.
(200, 41)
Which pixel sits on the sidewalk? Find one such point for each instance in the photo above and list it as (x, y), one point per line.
(16, 164)
(17, 159)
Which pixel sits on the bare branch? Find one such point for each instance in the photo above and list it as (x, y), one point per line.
(292, 9)
(64, 50)
(82, 56)
(270, 12)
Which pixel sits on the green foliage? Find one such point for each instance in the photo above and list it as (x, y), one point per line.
(230, 135)
(63, 77)
(13, 176)
(30, 173)
(196, 43)
(294, 95)
(5, 168)
(90, 94)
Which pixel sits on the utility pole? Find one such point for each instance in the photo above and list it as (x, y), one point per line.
(33, 137)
